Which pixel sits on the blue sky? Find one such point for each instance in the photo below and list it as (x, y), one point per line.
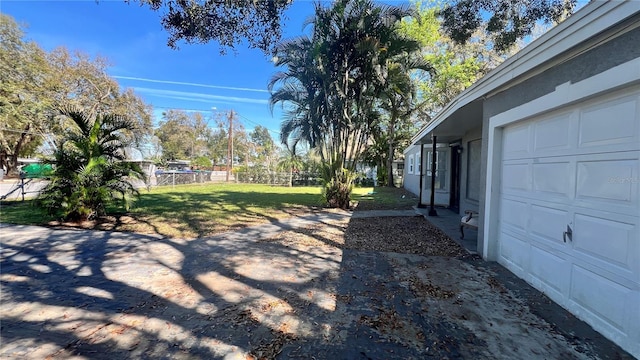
(194, 77)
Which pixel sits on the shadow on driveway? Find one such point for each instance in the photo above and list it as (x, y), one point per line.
(113, 295)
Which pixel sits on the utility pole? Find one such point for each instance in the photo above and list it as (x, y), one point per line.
(230, 145)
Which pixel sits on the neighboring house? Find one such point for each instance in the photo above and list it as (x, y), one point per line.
(547, 148)
(178, 165)
(398, 172)
(149, 170)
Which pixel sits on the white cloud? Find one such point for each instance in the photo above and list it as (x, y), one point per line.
(200, 97)
(189, 84)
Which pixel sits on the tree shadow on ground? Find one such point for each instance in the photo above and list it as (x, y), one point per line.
(116, 295)
(104, 294)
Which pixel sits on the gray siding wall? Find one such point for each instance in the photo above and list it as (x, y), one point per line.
(606, 56)
(588, 64)
(465, 202)
(411, 181)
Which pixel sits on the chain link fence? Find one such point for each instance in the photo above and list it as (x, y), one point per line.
(248, 177)
(278, 178)
(181, 178)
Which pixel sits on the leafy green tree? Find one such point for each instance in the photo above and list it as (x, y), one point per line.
(226, 22)
(398, 99)
(263, 146)
(258, 22)
(23, 104)
(332, 83)
(455, 66)
(171, 132)
(202, 162)
(183, 135)
(33, 83)
(509, 20)
(217, 145)
(90, 173)
(81, 81)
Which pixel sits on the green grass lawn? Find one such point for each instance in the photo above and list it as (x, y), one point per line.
(189, 211)
(385, 198)
(25, 213)
(198, 210)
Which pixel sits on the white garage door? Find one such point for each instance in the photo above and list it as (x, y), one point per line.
(577, 170)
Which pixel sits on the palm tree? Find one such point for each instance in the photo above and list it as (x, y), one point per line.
(332, 81)
(290, 161)
(90, 173)
(300, 91)
(398, 100)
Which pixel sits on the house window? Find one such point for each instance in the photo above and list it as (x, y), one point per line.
(441, 170)
(473, 169)
(410, 170)
(418, 164)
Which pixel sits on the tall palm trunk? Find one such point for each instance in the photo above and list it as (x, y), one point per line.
(392, 127)
(291, 176)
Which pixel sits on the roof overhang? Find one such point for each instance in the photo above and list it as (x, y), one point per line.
(580, 32)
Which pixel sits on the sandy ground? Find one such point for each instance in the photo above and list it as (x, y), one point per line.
(325, 286)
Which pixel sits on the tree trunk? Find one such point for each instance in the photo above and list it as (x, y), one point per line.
(381, 175)
(338, 190)
(392, 125)
(11, 160)
(291, 177)
(3, 160)
(12, 165)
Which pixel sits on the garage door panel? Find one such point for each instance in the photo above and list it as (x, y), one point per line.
(515, 251)
(633, 319)
(515, 176)
(609, 180)
(553, 178)
(548, 224)
(551, 271)
(600, 296)
(608, 240)
(553, 133)
(577, 166)
(516, 141)
(514, 215)
(609, 123)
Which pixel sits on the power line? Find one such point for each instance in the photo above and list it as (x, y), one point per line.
(255, 123)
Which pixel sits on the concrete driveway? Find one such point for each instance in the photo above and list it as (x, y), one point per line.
(92, 295)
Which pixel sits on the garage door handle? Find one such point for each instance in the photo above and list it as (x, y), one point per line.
(567, 234)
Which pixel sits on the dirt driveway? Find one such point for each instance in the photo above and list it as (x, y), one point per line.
(291, 289)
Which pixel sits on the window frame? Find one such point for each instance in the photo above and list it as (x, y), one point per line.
(441, 171)
(411, 165)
